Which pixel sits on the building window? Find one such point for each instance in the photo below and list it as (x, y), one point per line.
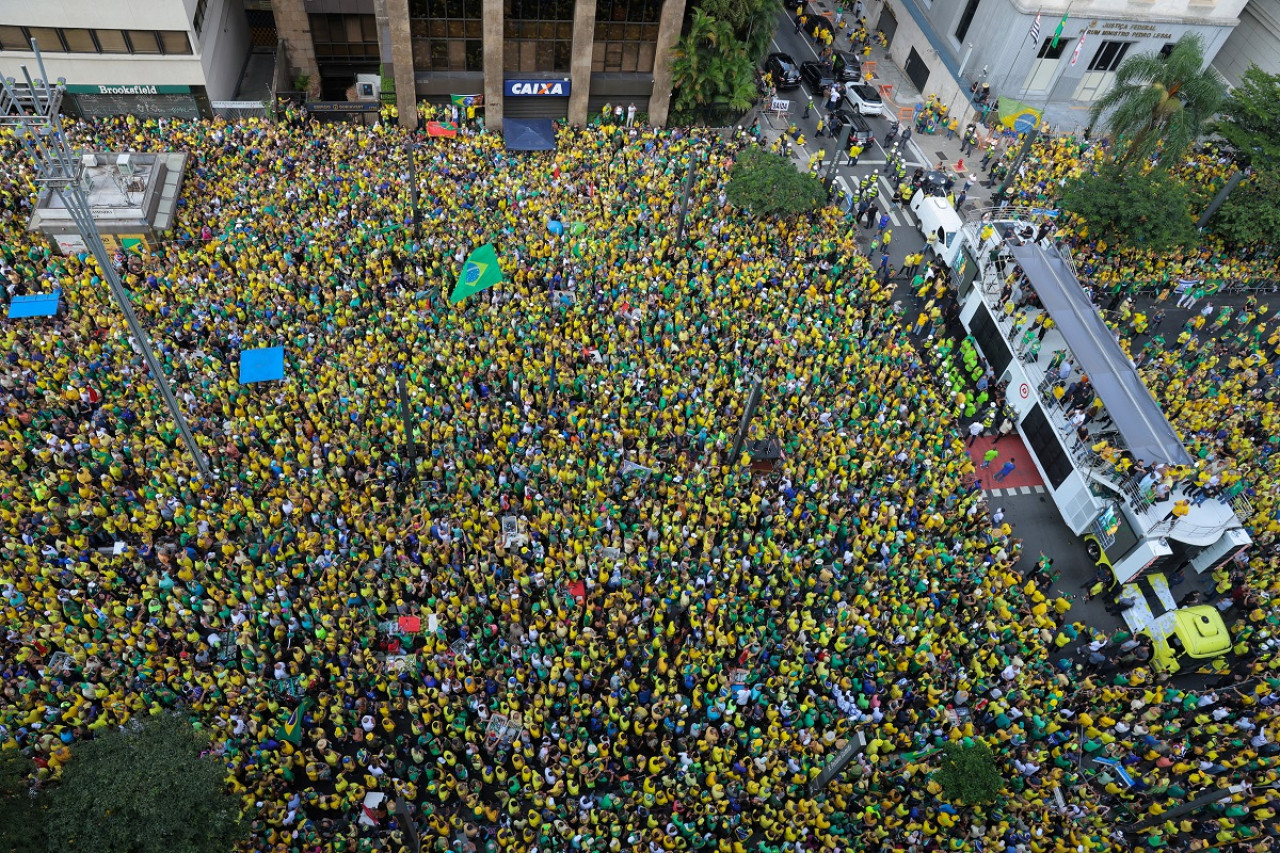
(76, 40)
(539, 35)
(197, 20)
(175, 43)
(47, 38)
(626, 35)
(1048, 51)
(966, 18)
(110, 41)
(12, 38)
(345, 38)
(1109, 56)
(448, 35)
(79, 41)
(142, 41)
(1166, 50)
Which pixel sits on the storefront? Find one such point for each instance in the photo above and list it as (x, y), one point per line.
(530, 98)
(144, 101)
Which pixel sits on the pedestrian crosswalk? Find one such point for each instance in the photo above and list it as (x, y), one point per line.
(846, 185)
(1016, 490)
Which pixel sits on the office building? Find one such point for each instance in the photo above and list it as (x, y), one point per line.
(1255, 41)
(944, 46)
(145, 57)
(527, 58)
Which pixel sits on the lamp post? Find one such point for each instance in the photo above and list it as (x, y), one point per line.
(31, 108)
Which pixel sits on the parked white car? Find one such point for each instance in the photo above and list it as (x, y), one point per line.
(864, 99)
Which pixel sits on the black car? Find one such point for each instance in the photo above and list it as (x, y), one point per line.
(936, 184)
(861, 133)
(819, 76)
(784, 70)
(846, 67)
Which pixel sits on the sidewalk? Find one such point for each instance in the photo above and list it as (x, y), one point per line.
(931, 148)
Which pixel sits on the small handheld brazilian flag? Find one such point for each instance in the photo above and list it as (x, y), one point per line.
(291, 730)
(481, 271)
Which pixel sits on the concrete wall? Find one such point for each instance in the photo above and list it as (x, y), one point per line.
(584, 28)
(294, 29)
(101, 14)
(224, 47)
(1256, 40)
(669, 26)
(494, 67)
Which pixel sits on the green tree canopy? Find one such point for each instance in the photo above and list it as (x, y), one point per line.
(752, 22)
(1161, 102)
(1152, 211)
(1250, 119)
(1250, 124)
(969, 773)
(144, 790)
(768, 184)
(712, 66)
(21, 815)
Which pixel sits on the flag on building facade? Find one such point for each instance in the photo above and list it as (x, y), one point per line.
(1075, 54)
(1057, 34)
(1035, 29)
(481, 271)
(476, 101)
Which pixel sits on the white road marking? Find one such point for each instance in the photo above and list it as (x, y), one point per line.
(888, 202)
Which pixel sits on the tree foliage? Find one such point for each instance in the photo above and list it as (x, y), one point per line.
(1250, 120)
(144, 790)
(712, 66)
(1151, 211)
(969, 773)
(21, 815)
(768, 184)
(1161, 102)
(1250, 214)
(752, 22)
(1250, 124)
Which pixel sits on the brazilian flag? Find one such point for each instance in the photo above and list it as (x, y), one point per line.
(1017, 115)
(481, 271)
(291, 730)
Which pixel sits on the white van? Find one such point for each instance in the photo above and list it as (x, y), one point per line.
(938, 219)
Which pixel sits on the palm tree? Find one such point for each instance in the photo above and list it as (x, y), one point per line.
(1161, 102)
(711, 66)
(693, 68)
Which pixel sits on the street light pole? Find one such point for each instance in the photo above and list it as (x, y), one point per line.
(413, 190)
(411, 448)
(684, 200)
(31, 109)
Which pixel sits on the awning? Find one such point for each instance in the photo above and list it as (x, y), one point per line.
(1134, 411)
(529, 134)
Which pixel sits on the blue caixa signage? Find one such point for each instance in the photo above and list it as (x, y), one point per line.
(538, 88)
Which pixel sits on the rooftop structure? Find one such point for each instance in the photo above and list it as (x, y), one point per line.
(132, 198)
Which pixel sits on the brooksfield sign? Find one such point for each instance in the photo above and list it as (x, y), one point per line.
(538, 88)
(129, 89)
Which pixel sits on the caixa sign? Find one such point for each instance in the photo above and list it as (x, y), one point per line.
(538, 88)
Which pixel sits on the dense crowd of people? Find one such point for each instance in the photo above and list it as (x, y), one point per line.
(576, 621)
(1055, 159)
